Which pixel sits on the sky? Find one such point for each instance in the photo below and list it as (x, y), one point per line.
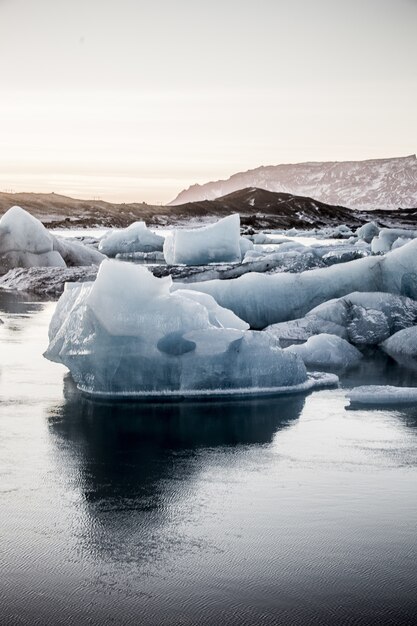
(129, 100)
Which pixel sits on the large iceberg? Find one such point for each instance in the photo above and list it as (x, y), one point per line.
(262, 300)
(127, 334)
(215, 243)
(135, 238)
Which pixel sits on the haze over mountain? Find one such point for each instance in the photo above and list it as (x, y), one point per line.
(363, 185)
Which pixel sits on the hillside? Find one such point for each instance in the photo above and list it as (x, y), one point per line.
(362, 185)
(258, 208)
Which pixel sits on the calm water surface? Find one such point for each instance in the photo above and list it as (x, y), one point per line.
(280, 511)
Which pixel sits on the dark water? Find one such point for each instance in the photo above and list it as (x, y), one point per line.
(275, 511)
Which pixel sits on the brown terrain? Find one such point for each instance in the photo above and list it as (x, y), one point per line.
(258, 209)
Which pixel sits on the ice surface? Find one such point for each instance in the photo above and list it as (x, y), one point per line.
(383, 395)
(215, 243)
(327, 351)
(45, 281)
(25, 242)
(136, 238)
(262, 300)
(127, 334)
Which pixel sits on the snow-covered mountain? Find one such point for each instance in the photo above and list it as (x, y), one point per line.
(366, 185)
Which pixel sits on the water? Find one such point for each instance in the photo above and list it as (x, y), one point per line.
(274, 511)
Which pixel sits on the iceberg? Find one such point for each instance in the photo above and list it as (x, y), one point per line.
(262, 300)
(135, 238)
(402, 347)
(25, 242)
(368, 231)
(327, 351)
(128, 335)
(215, 243)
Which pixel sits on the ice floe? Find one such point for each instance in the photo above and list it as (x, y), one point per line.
(382, 395)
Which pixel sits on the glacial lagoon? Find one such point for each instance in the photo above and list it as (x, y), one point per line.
(285, 510)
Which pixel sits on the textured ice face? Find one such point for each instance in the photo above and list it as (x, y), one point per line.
(361, 318)
(127, 333)
(136, 238)
(215, 243)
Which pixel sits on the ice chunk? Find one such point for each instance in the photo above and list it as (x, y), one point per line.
(25, 242)
(127, 334)
(368, 231)
(382, 395)
(136, 238)
(245, 245)
(387, 236)
(262, 300)
(215, 243)
(76, 254)
(327, 351)
(402, 346)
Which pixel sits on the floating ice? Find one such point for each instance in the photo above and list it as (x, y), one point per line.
(327, 351)
(262, 300)
(136, 238)
(368, 231)
(402, 346)
(25, 242)
(388, 236)
(126, 334)
(215, 243)
(76, 254)
(383, 395)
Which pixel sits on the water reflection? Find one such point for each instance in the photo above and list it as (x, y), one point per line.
(126, 449)
(134, 464)
(18, 304)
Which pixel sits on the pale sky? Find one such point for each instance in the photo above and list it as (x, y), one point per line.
(129, 100)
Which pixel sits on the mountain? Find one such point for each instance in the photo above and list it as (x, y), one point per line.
(362, 185)
(267, 209)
